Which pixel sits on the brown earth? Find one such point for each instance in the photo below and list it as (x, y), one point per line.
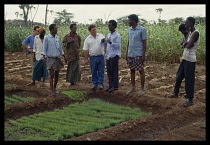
(169, 120)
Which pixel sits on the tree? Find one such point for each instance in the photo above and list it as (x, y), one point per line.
(159, 10)
(51, 11)
(25, 8)
(63, 18)
(177, 20)
(46, 15)
(17, 13)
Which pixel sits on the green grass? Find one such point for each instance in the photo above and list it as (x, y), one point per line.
(9, 85)
(75, 120)
(75, 95)
(16, 99)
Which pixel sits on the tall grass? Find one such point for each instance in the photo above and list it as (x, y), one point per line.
(163, 42)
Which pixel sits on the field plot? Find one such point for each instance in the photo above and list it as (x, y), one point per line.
(74, 120)
(165, 118)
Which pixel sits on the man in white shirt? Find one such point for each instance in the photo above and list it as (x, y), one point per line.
(94, 48)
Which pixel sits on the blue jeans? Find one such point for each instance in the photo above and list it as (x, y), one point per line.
(97, 70)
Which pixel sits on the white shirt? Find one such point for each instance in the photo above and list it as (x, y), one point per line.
(94, 45)
(115, 48)
(190, 54)
(37, 48)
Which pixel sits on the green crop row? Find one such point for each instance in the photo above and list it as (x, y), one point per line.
(163, 42)
(16, 99)
(75, 95)
(75, 120)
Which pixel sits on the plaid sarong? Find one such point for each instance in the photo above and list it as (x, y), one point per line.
(39, 70)
(54, 63)
(73, 72)
(135, 64)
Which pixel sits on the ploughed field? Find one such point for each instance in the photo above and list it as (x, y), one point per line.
(162, 119)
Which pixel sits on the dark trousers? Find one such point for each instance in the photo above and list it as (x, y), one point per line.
(186, 70)
(112, 71)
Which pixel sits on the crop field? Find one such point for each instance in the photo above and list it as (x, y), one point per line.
(78, 113)
(163, 44)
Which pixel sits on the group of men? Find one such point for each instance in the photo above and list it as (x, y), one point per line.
(100, 50)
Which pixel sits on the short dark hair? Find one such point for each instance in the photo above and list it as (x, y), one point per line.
(36, 27)
(192, 20)
(134, 17)
(91, 26)
(182, 27)
(114, 23)
(51, 27)
(72, 25)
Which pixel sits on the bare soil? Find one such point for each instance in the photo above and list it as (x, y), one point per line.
(169, 120)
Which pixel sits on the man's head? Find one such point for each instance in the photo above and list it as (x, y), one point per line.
(53, 28)
(92, 29)
(183, 29)
(112, 25)
(73, 28)
(41, 32)
(133, 19)
(36, 30)
(190, 22)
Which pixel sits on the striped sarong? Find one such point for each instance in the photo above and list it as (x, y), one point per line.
(54, 63)
(135, 63)
(39, 70)
(73, 73)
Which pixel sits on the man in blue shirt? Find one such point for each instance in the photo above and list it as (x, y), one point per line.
(28, 44)
(52, 50)
(135, 56)
(113, 53)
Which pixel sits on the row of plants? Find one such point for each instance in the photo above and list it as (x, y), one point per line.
(16, 99)
(75, 120)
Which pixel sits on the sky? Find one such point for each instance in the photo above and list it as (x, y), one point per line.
(83, 13)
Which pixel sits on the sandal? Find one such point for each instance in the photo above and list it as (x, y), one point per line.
(141, 92)
(31, 84)
(131, 90)
(172, 96)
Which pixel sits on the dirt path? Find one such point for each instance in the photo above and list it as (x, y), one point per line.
(169, 121)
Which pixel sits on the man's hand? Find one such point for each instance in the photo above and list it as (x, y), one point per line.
(103, 40)
(142, 58)
(86, 61)
(31, 50)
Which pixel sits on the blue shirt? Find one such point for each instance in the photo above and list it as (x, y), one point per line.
(29, 41)
(135, 37)
(52, 46)
(115, 48)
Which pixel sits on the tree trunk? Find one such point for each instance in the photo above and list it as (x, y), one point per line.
(46, 16)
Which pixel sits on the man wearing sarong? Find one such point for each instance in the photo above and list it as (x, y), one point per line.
(187, 66)
(28, 44)
(72, 43)
(52, 50)
(39, 69)
(136, 50)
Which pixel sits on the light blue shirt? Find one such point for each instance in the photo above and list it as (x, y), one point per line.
(135, 37)
(115, 48)
(29, 41)
(52, 46)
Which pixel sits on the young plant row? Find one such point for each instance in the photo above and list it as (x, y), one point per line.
(77, 119)
(16, 99)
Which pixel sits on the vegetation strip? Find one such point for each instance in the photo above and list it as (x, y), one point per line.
(16, 99)
(75, 120)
